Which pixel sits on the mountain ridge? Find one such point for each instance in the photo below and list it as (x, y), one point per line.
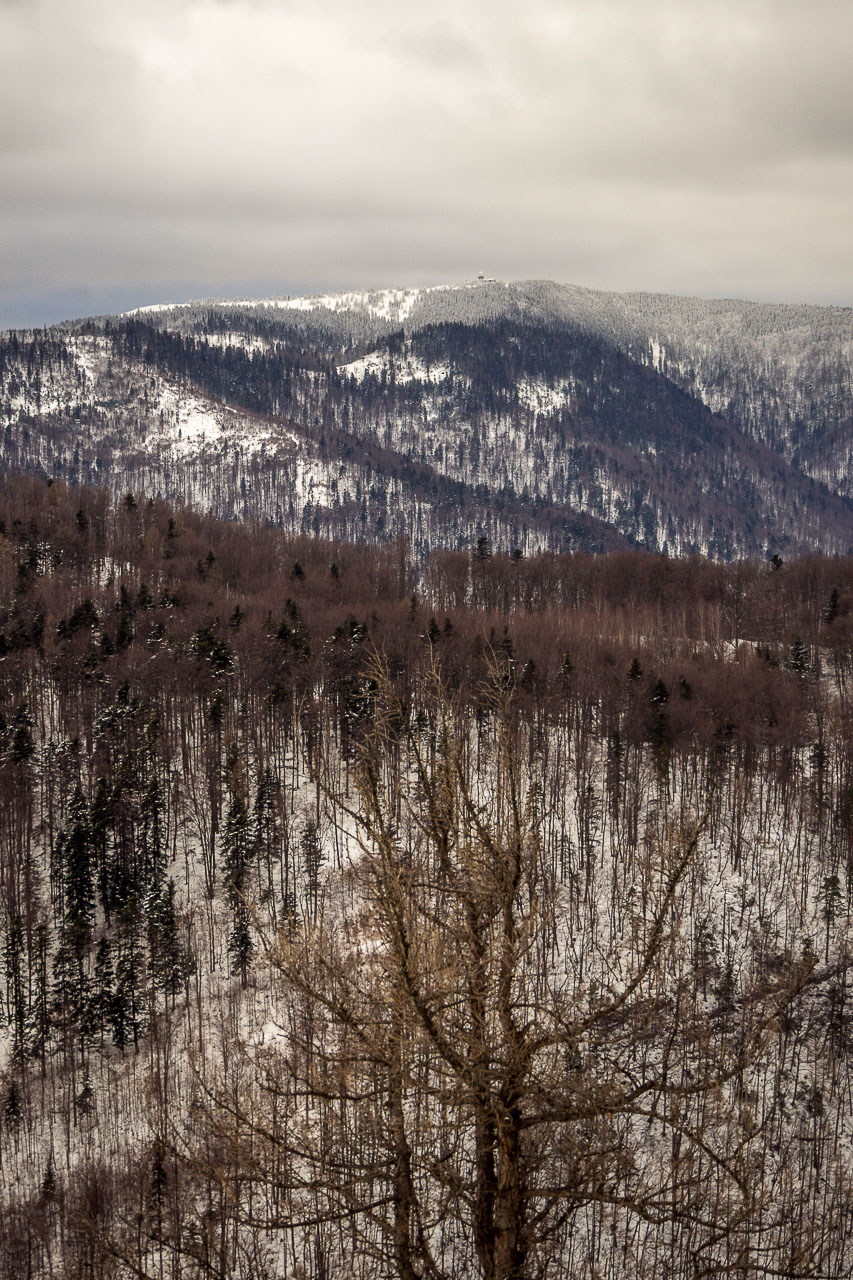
(544, 415)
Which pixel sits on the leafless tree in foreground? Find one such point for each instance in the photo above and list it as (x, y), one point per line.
(486, 1070)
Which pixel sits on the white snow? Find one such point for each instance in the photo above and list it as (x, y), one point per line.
(540, 396)
(406, 369)
(244, 341)
(192, 421)
(658, 353)
(152, 307)
(383, 304)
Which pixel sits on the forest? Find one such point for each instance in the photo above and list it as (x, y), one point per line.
(369, 914)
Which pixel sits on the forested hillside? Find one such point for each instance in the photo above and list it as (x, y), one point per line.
(370, 914)
(538, 416)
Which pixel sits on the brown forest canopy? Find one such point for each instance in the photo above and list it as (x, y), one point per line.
(140, 592)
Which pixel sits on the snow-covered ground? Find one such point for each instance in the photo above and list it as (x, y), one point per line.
(406, 369)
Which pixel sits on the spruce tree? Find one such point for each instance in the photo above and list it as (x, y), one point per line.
(48, 1182)
(76, 846)
(240, 945)
(103, 994)
(236, 846)
(71, 988)
(265, 833)
(101, 818)
(22, 747)
(152, 837)
(799, 657)
(312, 860)
(128, 1008)
(13, 1104)
(16, 1002)
(39, 1026)
(237, 849)
(167, 963)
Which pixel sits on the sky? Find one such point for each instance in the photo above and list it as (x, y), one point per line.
(178, 149)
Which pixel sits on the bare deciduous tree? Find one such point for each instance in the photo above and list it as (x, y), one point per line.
(468, 1083)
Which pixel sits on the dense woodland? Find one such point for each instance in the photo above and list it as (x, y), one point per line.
(364, 915)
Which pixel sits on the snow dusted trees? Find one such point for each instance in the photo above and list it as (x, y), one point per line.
(487, 1067)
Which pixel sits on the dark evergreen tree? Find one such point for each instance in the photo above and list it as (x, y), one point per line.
(48, 1182)
(151, 836)
(70, 993)
(312, 860)
(40, 1011)
(103, 993)
(128, 1011)
(21, 747)
(125, 610)
(237, 846)
(101, 818)
(13, 1104)
(240, 944)
(16, 995)
(76, 858)
(799, 657)
(831, 608)
(167, 962)
(265, 834)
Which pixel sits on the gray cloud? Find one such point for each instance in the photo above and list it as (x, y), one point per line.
(211, 144)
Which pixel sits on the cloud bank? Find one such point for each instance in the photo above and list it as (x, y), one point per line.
(200, 147)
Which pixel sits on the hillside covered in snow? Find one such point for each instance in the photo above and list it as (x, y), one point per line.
(535, 415)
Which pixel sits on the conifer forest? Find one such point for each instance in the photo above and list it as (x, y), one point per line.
(364, 913)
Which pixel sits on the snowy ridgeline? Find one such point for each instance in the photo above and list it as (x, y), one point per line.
(233, 1069)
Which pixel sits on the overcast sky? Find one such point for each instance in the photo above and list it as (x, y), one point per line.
(166, 149)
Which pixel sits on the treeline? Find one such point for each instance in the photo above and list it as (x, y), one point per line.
(118, 589)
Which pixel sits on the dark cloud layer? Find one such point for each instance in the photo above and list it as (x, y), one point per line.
(193, 147)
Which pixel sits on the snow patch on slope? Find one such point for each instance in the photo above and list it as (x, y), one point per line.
(382, 304)
(243, 341)
(409, 369)
(542, 397)
(192, 422)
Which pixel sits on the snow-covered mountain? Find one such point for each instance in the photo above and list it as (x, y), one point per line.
(534, 414)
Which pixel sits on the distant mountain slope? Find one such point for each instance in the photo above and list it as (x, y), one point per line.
(782, 373)
(532, 414)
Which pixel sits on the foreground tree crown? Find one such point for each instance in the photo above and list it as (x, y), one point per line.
(498, 1069)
